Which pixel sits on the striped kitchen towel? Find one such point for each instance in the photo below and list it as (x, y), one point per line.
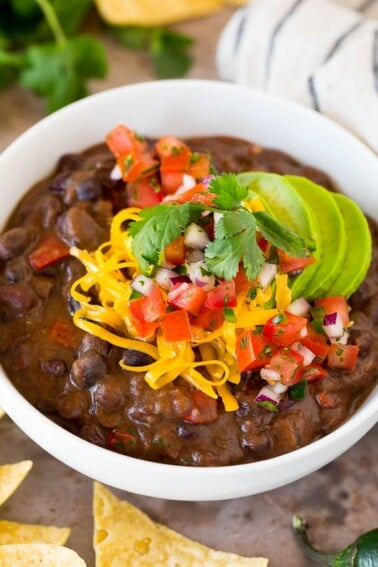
(321, 53)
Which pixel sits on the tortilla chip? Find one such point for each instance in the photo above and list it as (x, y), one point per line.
(126, 536)
(152, 13)
(11, 532)
(11, 477)
(2, 412)
(38, 555)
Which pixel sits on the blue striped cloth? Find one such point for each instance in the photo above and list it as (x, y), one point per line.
(321, 53)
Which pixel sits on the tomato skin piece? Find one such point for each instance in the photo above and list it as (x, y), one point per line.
(175, 326)
(289, 364)
(169, 145)
(187, 296)
(134, 165)
(205, 409)
(242, 283)
(144, 193)
(175, 252)
(314, 372)
(222, 296)
(335, 304)
(200, 167)
(50, 249)
(171, 181)
(292, 263)
(209, 319)
(285, 332)
(197, 194)
(315, 336)
(252, 351)
(121, 140)
(342, 356)
(320, 350)
(176, 162)
(154, 305)
(143, 328)
(64, 333)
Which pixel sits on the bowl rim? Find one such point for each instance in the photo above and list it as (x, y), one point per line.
(18, 407)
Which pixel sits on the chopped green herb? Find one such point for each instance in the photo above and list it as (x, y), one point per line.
(243, 342)
(229, 315)
(298, 391)
(268, 405)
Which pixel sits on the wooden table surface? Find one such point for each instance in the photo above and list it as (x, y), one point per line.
(340, 501)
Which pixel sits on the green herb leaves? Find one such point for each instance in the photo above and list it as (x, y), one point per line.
(235, 232)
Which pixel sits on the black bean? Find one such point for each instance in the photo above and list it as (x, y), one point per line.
(77, 228)
(72, 404)
(69, 162)
(18, 270)
(186, 431)
(92, 343)
(59, 183)
(56, 367)
(72, 305)
(51, 208)
(94, 434)
(87, 369)
(43, 286)
(108, 394)
(135, 357)
(17, 296)
(15, 241)
(89, 189)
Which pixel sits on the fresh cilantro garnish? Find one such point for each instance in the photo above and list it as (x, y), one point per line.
(168, 49)
(235, 232)
(159, 226)
(229, 191)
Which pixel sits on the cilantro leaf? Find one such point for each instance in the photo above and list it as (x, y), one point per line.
(235, 242)
(131, 37)
(59, 70)
(10, 65)
(228, 190)
(279, 235)
(169, 53)
(159, 226)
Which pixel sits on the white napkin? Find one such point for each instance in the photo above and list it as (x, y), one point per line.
(321, 53)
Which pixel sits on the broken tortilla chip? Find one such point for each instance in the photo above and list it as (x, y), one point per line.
(152, 13)
(11, 477)
(11, 533)
(38, 555)
(2, 412)
(124, 535)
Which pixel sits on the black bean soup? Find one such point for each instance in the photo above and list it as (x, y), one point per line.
(77, 381)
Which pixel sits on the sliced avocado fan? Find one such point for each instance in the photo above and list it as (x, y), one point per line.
(358, 248)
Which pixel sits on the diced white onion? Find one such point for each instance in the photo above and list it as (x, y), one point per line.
(197, 274)
(115, 173)
(143, 284)
(163, 277)
(299, 307)
(308, 355)
(188, 182)
(267, 394)
(343, 340)
(267, 274)
(195, 236)
(279, 388)
(303, 332)
(334, 329)
(270, 374)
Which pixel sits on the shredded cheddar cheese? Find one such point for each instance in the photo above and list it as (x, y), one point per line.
(109, 272)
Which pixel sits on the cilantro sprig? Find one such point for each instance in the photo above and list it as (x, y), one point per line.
(235, 233)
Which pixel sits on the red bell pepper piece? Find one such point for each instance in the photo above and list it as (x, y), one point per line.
(50, 250)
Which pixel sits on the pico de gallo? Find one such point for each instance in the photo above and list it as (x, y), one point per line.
(197, 276)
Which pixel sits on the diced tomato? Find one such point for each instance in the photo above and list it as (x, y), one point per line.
(143, 328)
(187, 296)
(209, 319)
(336, 304)
(289, 364)
(320, 350)
(176, 162)
(242, 283)
(313, 335)
(169, 145)
(175, 252)
(326, 400)
(342, 356)
(118, 439)
(292, 263)
(284, 329)
(64, 333)
(222, 296)
(197, 194)
(314, 372)
(176, 326)
(204, 410)
(154, 305)
(252, 351)
(134, 165)
(50, 250)
(199, 165)
(262, 243)
(171, 181)
(121, 140)
(146, 193)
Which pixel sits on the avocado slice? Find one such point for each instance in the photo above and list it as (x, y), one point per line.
(288, 206)
(358, 248)
(332, 238)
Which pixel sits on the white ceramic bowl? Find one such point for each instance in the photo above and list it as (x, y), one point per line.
(186, 108)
